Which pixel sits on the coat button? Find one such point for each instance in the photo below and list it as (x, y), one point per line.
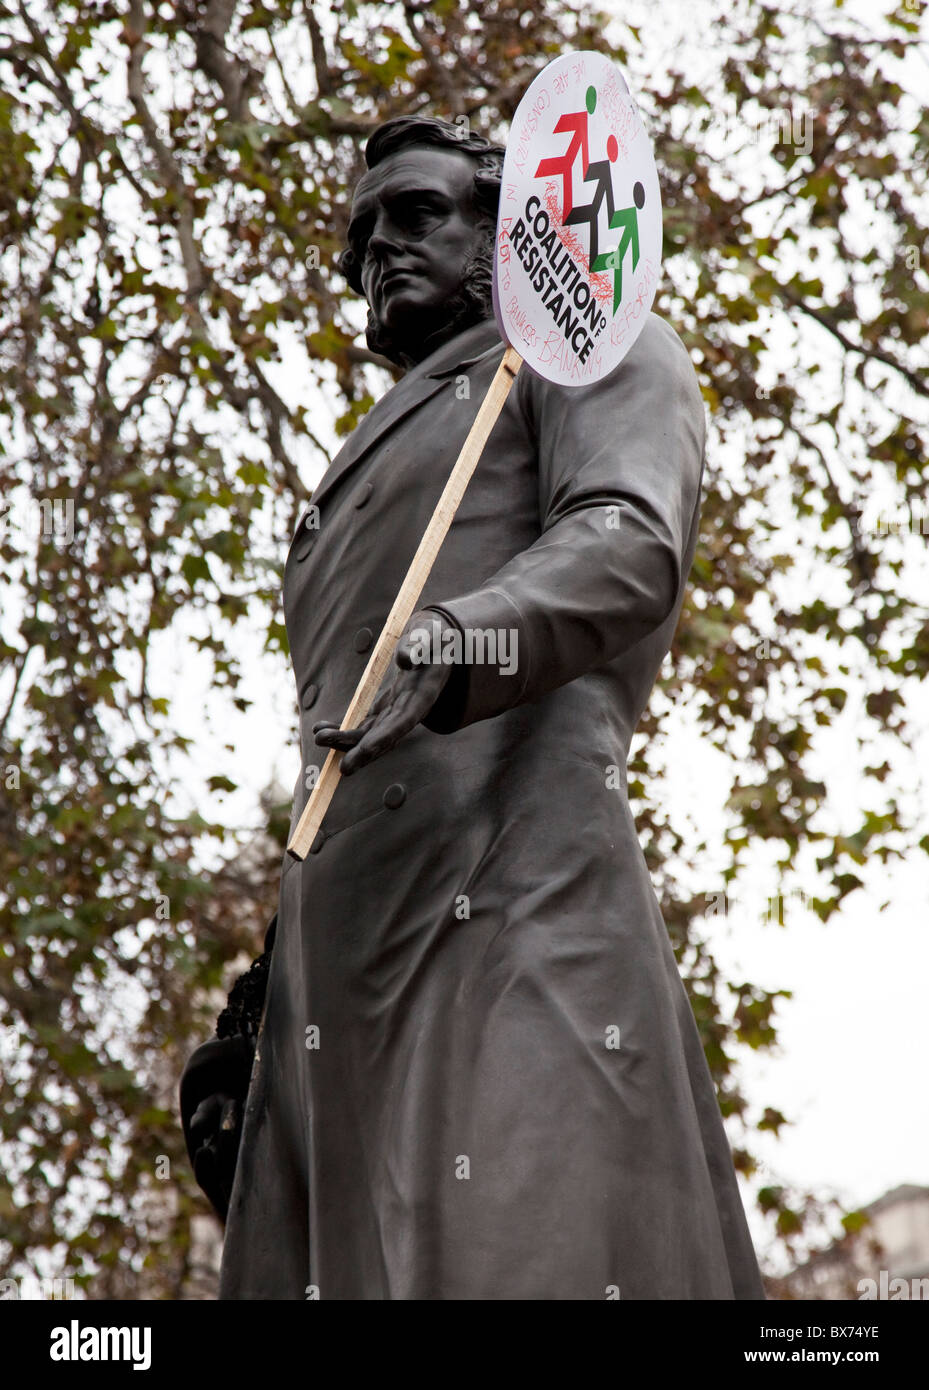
(364, 495)
(395, 796)
(309, 696)
(304, 546)
(363, 639)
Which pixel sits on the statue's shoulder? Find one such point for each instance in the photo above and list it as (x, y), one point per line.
(661, 340)
(658, 355)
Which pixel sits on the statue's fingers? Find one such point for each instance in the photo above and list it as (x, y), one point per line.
(409, 701)
(331, 736)
(341, 739)
(403, 715)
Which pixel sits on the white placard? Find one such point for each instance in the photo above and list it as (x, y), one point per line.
(578, 249)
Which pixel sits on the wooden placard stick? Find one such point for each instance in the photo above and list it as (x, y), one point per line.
(405, 603)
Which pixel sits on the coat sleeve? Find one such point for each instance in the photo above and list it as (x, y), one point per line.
(620, 464)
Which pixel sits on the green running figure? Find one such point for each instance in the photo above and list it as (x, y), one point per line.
(628, 219)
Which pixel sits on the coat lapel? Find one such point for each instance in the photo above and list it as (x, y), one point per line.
(419, 385)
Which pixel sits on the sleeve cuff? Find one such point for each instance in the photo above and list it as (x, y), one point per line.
(478, 688)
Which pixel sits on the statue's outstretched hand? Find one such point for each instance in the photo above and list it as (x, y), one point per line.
(416, 685)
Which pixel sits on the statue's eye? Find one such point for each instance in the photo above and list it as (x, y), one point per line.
(418, 212)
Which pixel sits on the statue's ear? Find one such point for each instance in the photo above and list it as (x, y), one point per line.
(347, 265)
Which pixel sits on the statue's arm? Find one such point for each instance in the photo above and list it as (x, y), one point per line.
(620, 465)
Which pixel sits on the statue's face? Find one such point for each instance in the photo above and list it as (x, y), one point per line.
(412, 228)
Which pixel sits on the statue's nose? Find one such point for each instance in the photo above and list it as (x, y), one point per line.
(383, 240)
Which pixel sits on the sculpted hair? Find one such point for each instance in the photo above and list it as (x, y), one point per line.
(473, 300)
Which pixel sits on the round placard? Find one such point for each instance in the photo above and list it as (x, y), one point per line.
(578, 248)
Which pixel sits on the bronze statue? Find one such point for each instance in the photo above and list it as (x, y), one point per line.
(479, 1076)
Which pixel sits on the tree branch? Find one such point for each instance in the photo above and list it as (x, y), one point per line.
(134, 37)
(274, 409)
(318, 46)
(440, 75)
(875, 353)
(209, 32)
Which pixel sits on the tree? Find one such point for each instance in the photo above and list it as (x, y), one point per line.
(175, 184)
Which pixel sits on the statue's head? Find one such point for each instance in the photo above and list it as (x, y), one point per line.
(421, 235)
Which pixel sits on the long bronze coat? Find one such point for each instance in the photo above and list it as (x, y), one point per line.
(479, 1076)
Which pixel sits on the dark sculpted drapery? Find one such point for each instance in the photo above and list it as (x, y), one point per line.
(479, 1076)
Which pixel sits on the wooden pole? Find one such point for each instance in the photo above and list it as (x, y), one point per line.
(408, 596)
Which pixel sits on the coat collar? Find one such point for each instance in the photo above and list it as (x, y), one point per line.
(463, 351)
(420, 383)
